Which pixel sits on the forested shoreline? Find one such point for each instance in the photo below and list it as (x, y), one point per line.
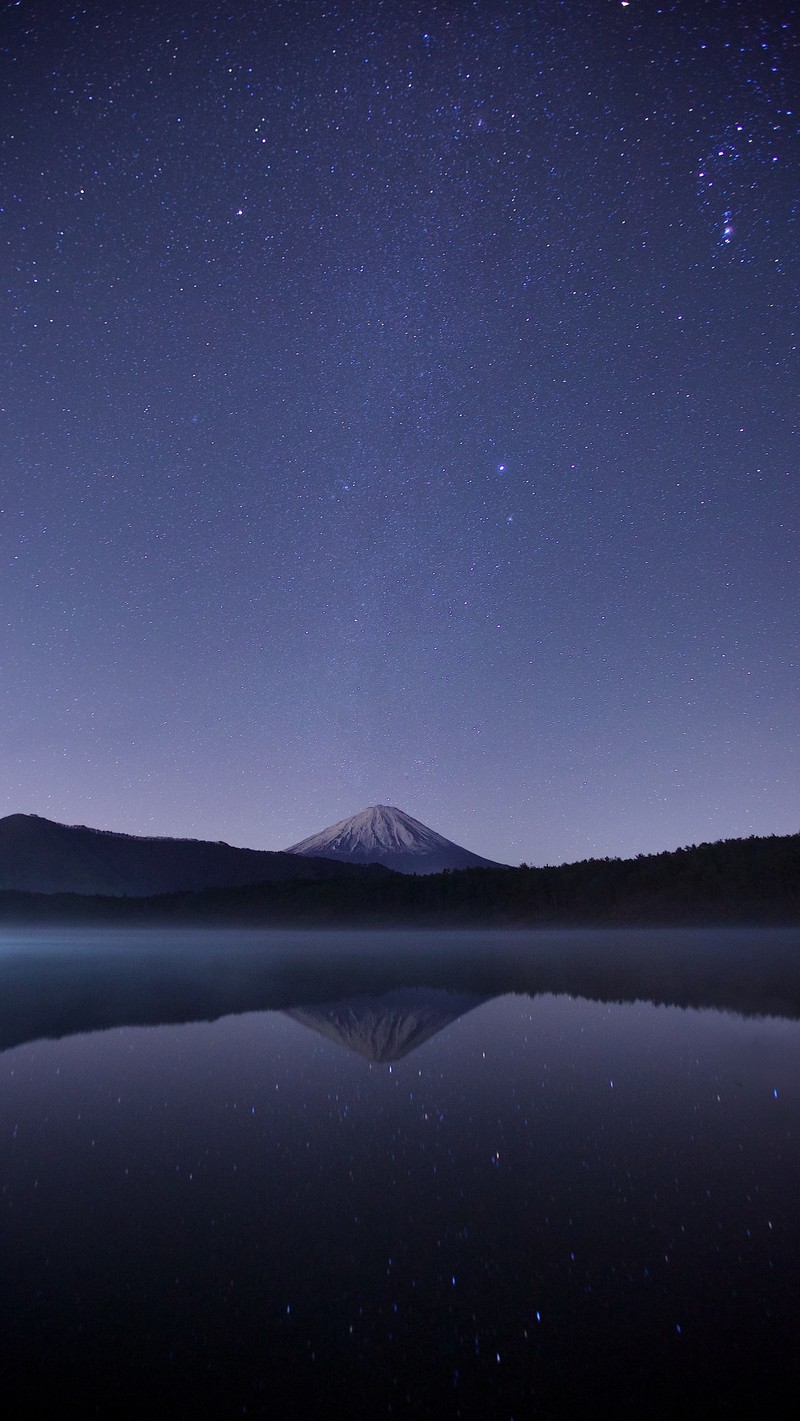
(747, 881)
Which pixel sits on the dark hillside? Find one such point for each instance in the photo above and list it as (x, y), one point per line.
(747, 881)
(40, 856)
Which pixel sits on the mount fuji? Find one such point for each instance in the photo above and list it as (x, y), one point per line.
(386, 835)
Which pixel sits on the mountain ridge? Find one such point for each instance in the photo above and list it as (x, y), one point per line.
(39, 855)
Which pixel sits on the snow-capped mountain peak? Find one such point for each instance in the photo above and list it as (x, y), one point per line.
(385, 834)
(381, 827)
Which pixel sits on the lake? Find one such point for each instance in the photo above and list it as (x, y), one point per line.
(484, 1175)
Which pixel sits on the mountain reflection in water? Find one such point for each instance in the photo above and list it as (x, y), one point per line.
(497, 1202)
(57, 983)
(386, 1028)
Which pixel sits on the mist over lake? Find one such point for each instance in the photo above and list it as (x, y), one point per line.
(479, 1175)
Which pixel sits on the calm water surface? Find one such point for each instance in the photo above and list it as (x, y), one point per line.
(416, 1185)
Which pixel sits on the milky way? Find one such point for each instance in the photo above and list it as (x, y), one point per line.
(399, 405)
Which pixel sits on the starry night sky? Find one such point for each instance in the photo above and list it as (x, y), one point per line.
(400, 404)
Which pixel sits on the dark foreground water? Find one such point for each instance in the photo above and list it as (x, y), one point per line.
(403, 1177)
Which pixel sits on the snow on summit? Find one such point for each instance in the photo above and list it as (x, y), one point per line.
(387, 835)
(381, 827)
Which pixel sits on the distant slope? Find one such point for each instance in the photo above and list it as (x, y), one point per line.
(387, 835)
(40, 856)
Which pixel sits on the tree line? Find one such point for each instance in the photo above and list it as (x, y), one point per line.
(747, 881)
